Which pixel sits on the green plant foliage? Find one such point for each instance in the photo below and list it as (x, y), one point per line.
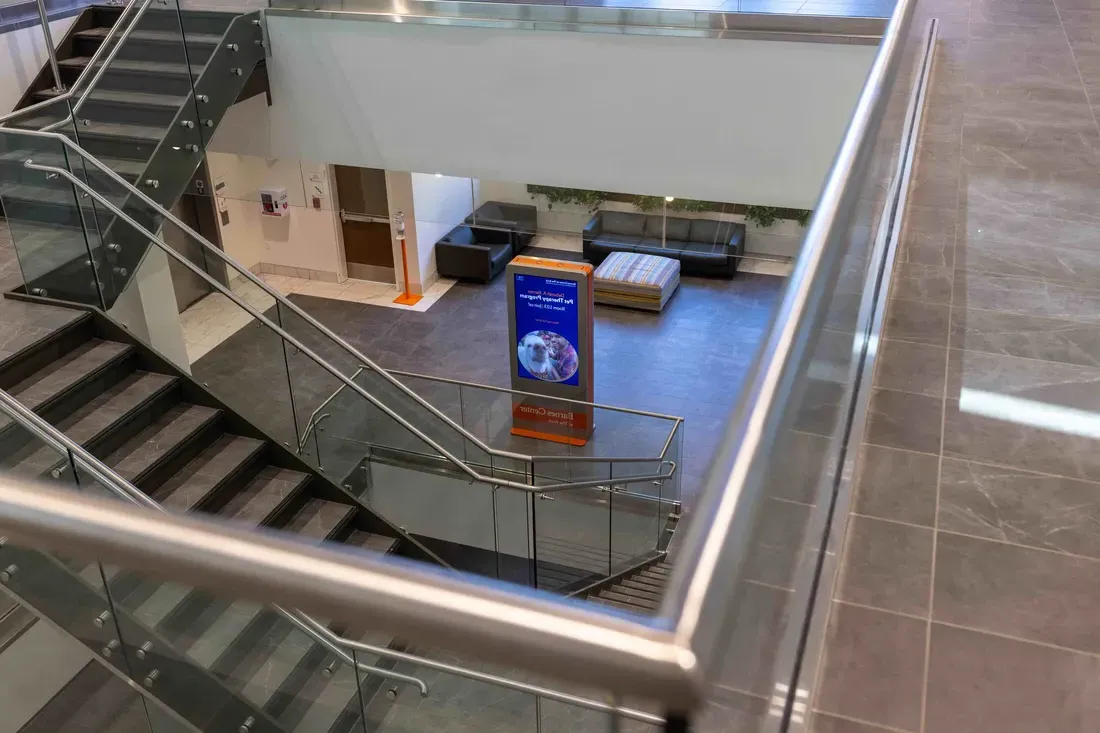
(803, 217)
(592, 200)
(647, 203)
(762, 216)
(693, 205)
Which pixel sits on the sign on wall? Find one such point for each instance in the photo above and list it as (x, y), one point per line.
(550, 323)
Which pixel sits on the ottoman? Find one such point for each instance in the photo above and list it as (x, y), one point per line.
(636, 281)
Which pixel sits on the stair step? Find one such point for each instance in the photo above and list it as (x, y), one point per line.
(319, 519)
(229, 624)
(371, 541)
(98, 416)
(100, 33)
(654, 578)
(634, 588)
(170, 431)
(647, 582)
(60, 376)
(272, 660)
(123, 167)
(199, 480)
(114, 130)
(119, 96)
(616, 604)
(265, 495)
(56, 195)
(640, 603)
(137, 67)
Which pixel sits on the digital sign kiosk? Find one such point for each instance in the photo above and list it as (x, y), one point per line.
(550, 324)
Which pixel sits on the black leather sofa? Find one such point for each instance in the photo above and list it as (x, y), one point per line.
(703, 246)
(520, 218)
(486, 242)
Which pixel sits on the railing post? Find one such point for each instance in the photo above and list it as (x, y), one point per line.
(49, 45)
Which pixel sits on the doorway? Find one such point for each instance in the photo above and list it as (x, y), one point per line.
(365, 222)
(197, 211)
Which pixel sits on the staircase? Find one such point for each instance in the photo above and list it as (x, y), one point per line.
(214, 662)
(149, 119)
(639, 591)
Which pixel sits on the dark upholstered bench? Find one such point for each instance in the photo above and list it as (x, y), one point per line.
(703, 246)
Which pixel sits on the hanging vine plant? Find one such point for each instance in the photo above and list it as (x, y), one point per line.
(591, 200)
(692, 205)
(647, 204)
(802, 216)
(762, 216)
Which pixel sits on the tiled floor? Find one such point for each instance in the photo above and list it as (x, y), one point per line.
(968, 595)
(688, 371)
(213, 319)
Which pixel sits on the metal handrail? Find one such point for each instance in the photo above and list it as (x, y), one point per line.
(316, 416)
(669, 657)
(214, 284)
(498, 681)
(71, 91)
(286, 303)
(122, 488)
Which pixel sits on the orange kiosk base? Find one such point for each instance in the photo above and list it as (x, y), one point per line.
(407, 297)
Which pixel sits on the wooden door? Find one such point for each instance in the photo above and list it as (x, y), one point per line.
(364, 216)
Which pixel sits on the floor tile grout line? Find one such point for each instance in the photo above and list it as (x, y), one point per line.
(943, 410)
(963, 627)
(967, 535)
(861, 721)
(1027, 471)
(878, 609)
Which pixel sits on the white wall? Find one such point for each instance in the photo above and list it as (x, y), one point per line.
(722, 120)
(22, 56)
(147, 308)
(439, 204)
(307, 238)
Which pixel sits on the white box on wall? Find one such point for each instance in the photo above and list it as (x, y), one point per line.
(274, 202)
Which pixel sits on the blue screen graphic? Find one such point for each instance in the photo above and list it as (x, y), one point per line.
(546, 324)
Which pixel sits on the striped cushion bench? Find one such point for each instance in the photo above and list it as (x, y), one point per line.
(636, 280)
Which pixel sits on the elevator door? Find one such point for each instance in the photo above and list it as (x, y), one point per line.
(188, 286)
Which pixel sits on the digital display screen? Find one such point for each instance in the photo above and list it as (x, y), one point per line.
(546, 322)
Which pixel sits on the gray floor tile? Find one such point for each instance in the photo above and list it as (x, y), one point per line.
(886, 565)
(874, 667)
(928, 237)
(926, 283)
(980, 427)
(979, 683)
(1011, 334)
(897, 484)
(922, 323)
(1029, 594)
(1024, 508)
(909, 367)
(904, 420)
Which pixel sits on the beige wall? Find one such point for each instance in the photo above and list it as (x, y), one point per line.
(306, 238)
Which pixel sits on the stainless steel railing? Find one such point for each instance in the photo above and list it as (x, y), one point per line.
(669, 657)
(318, 632)
(461, 465)
(123, 489)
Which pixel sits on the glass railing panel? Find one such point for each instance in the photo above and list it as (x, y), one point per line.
(789, 528)
(53, 227)
(639, 516)
(572, 531)
(453, 701)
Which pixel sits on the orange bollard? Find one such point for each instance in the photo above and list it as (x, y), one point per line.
(406, 298)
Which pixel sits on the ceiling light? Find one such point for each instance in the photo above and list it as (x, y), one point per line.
(670, 199)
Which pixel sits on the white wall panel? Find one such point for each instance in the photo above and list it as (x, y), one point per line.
(725, 120)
